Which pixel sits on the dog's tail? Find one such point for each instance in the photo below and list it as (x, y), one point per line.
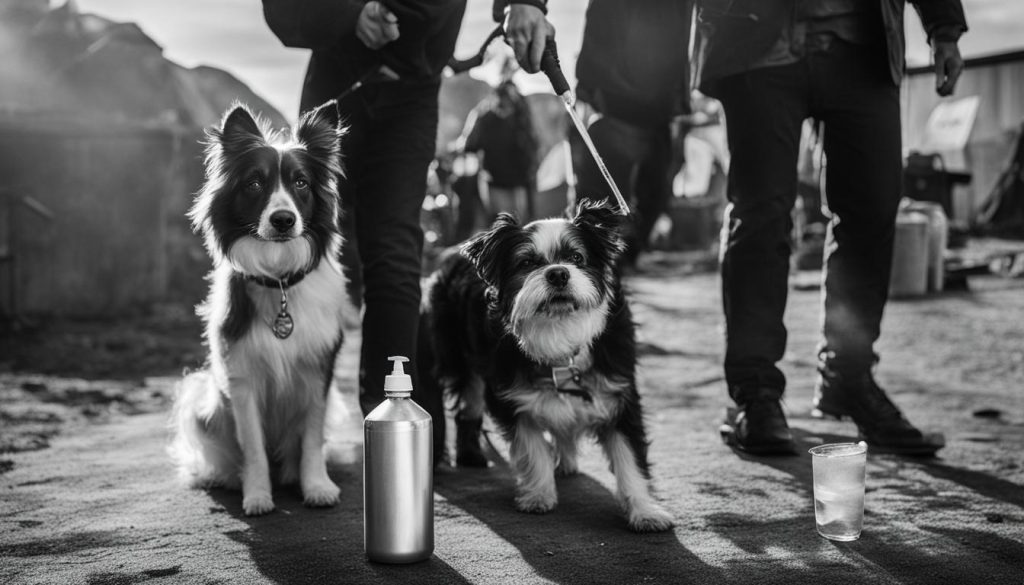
(203, 444)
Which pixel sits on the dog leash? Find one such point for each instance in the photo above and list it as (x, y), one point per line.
(384, 72)
(551, 67)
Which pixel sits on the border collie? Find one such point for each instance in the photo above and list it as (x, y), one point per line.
(268, 215)
(532, 322)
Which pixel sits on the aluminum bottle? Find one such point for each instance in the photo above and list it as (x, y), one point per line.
(398, 489)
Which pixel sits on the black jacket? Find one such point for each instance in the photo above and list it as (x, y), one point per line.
(733, 34)
(428, 31)
(633, 64)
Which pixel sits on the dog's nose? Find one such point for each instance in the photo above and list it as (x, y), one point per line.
(282, 220)
(557, 276)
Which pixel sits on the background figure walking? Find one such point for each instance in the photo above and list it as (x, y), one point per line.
(500, 131)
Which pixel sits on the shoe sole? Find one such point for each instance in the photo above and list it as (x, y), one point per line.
(728, 434)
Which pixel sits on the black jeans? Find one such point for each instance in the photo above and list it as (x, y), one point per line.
(638, 159)
(848, 88)
(389, 146)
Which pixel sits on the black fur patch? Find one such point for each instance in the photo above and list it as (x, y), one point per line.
(241, 310)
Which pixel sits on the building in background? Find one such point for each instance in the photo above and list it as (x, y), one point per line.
(100, 155)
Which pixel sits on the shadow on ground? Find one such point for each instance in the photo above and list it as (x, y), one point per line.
(301, 545)
(584, 540)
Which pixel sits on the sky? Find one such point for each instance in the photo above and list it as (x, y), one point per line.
(232, 35)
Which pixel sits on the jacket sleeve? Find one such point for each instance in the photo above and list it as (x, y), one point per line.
(312, 24)
(943, 19)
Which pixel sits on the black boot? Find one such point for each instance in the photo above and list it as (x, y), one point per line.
(757, 425)
(881, 424)
(468, 452)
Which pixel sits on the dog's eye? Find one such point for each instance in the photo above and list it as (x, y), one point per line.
(301, 184)
(254, 186)
(527, 263)
(576, 258)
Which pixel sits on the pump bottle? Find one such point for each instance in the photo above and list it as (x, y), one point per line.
(398, 490)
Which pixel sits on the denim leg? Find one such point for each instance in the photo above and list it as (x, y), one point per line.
(861, 110)
(387, 153)
(764, 111)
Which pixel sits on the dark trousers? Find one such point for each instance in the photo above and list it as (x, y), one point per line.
(638, 159)
(849, 89)
(389, 146)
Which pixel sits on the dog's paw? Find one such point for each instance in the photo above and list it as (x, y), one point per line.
(320, 495)
(257, 504)
(650, 518)
(536, 502)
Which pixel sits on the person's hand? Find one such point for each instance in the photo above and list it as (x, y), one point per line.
(527, 31)
(377, 26)
(948, 66)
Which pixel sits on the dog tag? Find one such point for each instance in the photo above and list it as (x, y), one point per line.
(283, 325)
(567, 380)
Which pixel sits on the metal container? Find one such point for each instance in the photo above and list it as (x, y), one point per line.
(398, 489)
(909, 276)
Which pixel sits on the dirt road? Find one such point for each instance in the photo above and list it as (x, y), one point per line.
(101, 504)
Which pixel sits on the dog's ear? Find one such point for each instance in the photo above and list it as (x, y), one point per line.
(598, 212)
(602, 224)
(326, 113)
(486, 251)
(320, 131)
(239, 130)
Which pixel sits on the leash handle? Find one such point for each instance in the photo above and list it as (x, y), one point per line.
(549, 62)
(551, 67)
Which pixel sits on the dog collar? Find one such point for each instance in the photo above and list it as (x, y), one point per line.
(283, 324)
(568, 380)
(289, 280)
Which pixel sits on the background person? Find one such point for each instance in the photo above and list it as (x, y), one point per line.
(500, 131)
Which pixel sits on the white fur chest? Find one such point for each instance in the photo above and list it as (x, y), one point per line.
(318, 306)
(563, 412)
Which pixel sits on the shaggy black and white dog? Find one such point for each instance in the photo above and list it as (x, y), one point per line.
(532, 321)
(268, 214)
